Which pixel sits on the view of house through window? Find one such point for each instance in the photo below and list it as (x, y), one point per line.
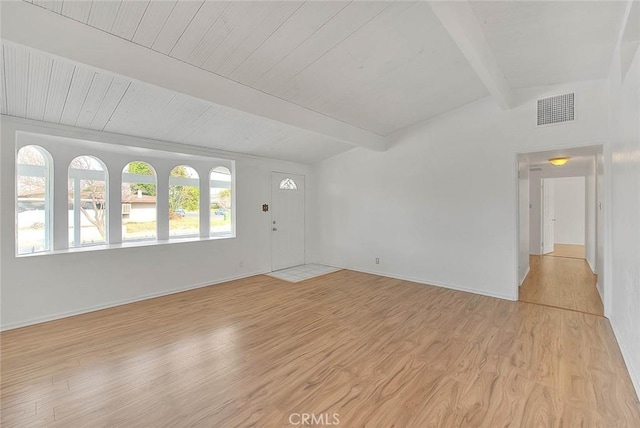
(220, 190)
(87, 202)
(33, 204)
(184, 202)
(139, 212)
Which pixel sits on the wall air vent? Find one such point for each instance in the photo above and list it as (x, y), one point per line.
(556, 109)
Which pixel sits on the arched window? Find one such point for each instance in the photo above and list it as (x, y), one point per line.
(288, 184)
(139, 209)
(87, 202)
(33, 200)
(184, 202)
(221, 201)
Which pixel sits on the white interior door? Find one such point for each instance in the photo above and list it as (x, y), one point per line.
(287, 220)
(548, 216)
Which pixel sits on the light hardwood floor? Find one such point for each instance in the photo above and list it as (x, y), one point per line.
(376, 351)
(562, 282)
(568, 250)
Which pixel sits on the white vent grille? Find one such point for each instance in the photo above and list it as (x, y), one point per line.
(556, 109)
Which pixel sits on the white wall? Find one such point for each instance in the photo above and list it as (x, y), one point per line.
(440, 205)
(569, 205)
(43, 287)
(625, 204)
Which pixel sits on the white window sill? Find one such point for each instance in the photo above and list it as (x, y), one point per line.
(128, 244)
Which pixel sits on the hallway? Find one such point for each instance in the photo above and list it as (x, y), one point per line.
(562, 282)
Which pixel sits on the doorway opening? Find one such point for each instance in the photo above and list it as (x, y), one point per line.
(561, 242)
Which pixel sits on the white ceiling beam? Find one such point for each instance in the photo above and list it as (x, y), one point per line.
(460, 21)
(49, 32)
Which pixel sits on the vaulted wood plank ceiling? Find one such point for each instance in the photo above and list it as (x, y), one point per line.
(379, 66)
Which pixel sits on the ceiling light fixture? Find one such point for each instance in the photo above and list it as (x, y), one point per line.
(559, 161)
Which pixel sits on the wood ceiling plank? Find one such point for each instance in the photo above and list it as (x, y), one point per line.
(16, 70)
(385, 73)
(80, 84)
(103, 14)
(139, 110)
(153, 21)
(53, 5)
(180, 17)
(183, 133)
(128, 18)
(224, 129)
(97, 91)
(61, 75)
(109, 103)
(311, 17)
(38, 84)
(231, 18)
(207, 16)
(231, 56)
(77, 10)
(341, 27)
(179, 111)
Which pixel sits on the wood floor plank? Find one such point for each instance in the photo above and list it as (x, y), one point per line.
(374, 351)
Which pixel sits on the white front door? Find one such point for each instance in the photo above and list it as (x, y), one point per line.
(287, 220)
(548, 216)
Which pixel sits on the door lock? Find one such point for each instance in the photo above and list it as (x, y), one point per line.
(274, 229)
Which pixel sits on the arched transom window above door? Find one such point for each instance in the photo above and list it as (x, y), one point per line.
(288, 184)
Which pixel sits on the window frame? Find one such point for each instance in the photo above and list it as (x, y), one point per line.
(48, 197)
(185, 182)
(231, 232)
(77, 216)
(115, 152)
(154, 238)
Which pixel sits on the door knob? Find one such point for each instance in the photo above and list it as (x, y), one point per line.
(274, 229)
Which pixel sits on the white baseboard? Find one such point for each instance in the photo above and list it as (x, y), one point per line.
(634, 373)
(428, 282)
(60, 315)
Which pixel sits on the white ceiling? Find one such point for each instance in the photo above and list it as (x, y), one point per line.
(551, 42)
(46, 88)
(375, 66)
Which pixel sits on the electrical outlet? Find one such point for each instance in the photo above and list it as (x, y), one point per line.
(377, 261)
(241, 264)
